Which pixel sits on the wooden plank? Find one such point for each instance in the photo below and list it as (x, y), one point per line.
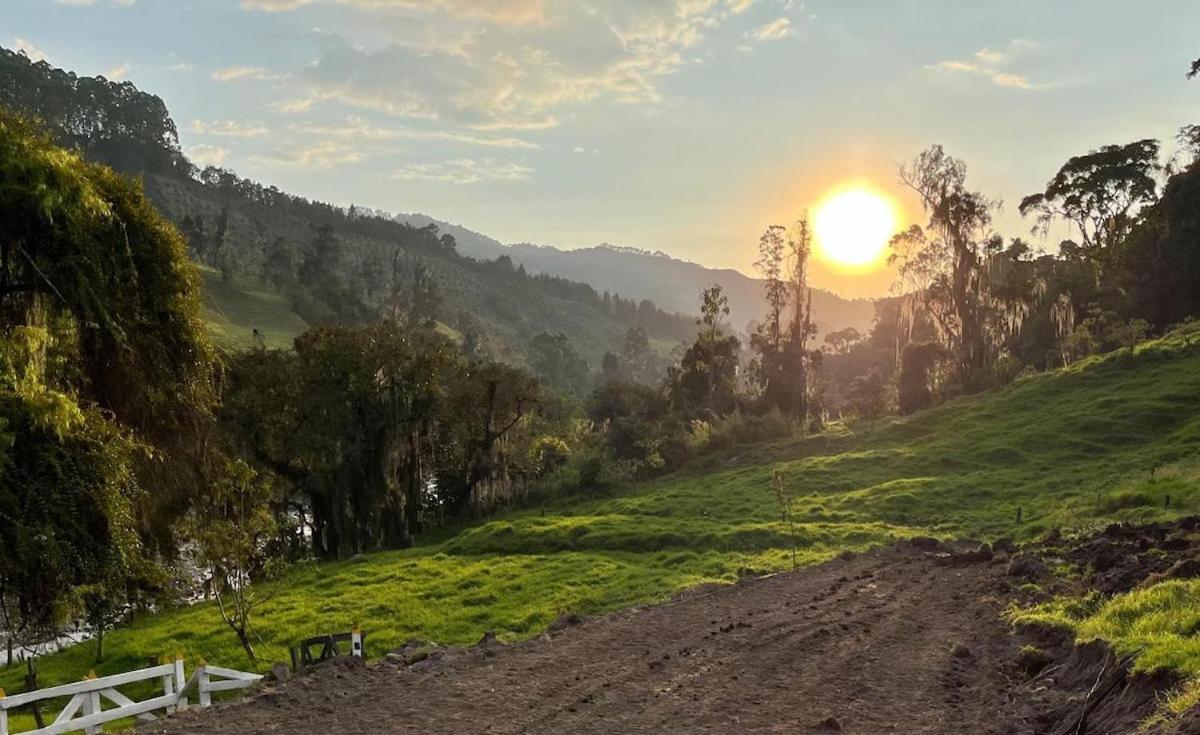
(122, 701)
(91, 706)
(71, 708)
(80, 687)
(95, 720)
(202, 686)
(228, 685)
(232, 673)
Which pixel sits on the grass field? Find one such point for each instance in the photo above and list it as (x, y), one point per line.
(234, 310)
(1105, 439)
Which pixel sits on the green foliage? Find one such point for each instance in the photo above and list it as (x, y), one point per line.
(230, 527)
(105, 380)
(108, 121)
(1099, 193)
(67, 541)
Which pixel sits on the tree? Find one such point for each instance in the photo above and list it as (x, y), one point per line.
(638, 356)
(106, 383)
(231, 526)
(843, 339)
(1195, 69)
(916, 387)
(868, 395)
(1099, 194)
(959, 230)
(488, 402)
(555, 362)
(705, 381)
(279, 265)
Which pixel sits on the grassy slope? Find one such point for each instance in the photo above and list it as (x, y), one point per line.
(234, 310)
(1071, 448)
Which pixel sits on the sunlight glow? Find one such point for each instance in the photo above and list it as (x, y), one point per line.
(852, 227)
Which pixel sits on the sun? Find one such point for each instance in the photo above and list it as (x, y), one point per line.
(852, 227)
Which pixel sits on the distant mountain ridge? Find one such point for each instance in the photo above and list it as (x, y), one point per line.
(671, 283)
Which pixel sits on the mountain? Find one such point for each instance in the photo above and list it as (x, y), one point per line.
(671, 283)
(275, 263)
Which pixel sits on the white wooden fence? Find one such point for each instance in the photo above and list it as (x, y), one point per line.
(85, 710)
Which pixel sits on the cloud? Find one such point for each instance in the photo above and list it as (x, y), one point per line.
(990, 64)
(253, 73)
(773, 31)
(515, 12)
(117, 73)
(34, 53)
(356, 128)
(207, 155)
(87, 3)
(464, 171)
(229, 128)
(493, 65)
(321, 155)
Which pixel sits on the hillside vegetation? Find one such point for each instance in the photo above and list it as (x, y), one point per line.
(1105, 439)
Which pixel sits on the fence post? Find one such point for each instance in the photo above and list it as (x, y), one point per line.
(180, 682)
(168, 684)
(91, 705)
(3, 717)
(356, 642)
(202, 684)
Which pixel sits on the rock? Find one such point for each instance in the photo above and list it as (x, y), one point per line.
(1027, 568)
(280, 673)
(831, 723)
(489, 637)
(925, 543)
(960, 651)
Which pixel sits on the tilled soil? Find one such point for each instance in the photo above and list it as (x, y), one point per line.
(907, 639)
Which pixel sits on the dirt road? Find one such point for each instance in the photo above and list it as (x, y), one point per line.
(817, 650)
(900, 640)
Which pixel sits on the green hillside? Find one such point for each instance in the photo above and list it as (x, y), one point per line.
(234, 310)
(1105, 439)
(509, 307)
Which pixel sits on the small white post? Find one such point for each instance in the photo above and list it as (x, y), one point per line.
(180, 682)
(3, 717)
(202, 685)
(356, 646)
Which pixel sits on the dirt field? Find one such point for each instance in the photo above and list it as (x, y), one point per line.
(908, 639)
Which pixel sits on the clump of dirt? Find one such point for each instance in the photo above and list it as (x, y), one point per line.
(1125, 556)
(905, 639)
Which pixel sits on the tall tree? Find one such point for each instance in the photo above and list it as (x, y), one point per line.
(1099, 194)
(705, 382)
(959, 224)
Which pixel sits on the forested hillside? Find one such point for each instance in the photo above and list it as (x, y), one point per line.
(669, 282)
(327, 264)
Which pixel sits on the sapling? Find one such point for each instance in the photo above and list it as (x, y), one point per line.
(784, 497)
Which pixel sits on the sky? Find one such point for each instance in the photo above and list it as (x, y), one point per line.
(686, 126)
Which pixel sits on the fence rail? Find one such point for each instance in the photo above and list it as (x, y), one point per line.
(85, 708)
